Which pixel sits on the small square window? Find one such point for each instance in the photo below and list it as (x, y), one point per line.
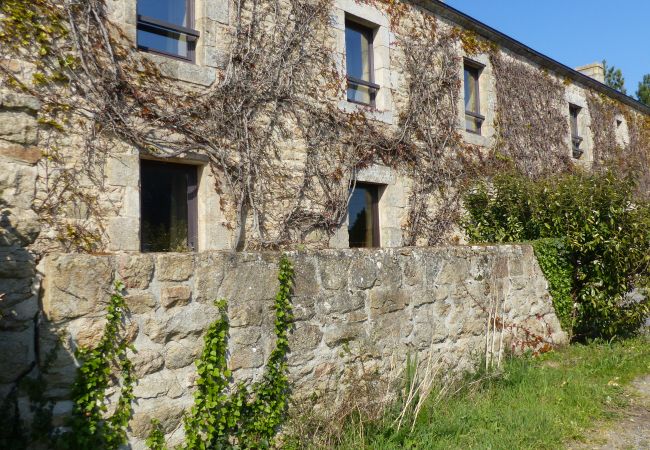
(168, 207)
(576, 139)
(363, 216)
(473, 118)
(359, 63)
(165, 27)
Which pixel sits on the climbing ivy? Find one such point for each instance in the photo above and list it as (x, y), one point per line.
(90, 427)
(226, 414)
(553, 258)
(156, 440)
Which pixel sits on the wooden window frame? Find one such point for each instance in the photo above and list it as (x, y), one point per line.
(574, 126)
(162, 27)
(373, 88)
(374, 205)
(473, 66)
(192, 173)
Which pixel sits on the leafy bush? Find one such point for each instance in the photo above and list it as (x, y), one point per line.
(603, 247)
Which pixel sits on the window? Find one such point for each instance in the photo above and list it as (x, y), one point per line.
(473, 118)
(360, 72)
(169, 210)
(576, 140)
(165, 27)
(363, 216)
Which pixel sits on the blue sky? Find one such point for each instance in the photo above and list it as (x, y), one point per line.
(574, 32)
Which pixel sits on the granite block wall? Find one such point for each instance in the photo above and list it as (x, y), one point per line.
(357, 312)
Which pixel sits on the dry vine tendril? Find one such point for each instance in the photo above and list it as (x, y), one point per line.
(283, 151)
(280, 84)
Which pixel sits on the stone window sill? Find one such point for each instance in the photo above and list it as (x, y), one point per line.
(369, 112)
(476, 139)
(183, 70)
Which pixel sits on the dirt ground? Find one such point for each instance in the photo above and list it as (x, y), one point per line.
(632, 430)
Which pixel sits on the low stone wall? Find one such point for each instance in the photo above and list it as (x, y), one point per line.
(357, 312)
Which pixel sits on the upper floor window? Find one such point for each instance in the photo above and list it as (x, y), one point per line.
(473, 118)
(165, 27)
(576, 140)
(359, 63)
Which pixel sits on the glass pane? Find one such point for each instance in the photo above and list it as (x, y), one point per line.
(361, 222)
(173, 11)
(357, 51)
(574, 121)
(359, 94)
(163, 41)
(471, 90)
(164, 208)
(472, 124)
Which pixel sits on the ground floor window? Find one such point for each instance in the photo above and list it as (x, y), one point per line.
(168, 207)
(363, 216)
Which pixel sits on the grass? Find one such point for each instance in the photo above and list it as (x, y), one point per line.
(540, 402)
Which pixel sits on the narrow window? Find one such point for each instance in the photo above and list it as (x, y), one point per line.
(360, 72)
(169, 210)
(473, 118)
(363, 216)
(576, 140)
(165, 27)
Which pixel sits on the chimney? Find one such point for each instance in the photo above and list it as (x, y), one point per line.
(595, 70)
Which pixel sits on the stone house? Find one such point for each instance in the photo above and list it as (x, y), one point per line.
(331, 160)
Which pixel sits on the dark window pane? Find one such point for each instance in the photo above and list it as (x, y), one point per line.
(471, 89)
(163, 41)
(473, 124)
(358, 46)
(362, 217)
(173, 11)
(166, 209)
(360, 94)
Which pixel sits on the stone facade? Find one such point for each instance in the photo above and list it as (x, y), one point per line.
(380, 304)
(356, 312)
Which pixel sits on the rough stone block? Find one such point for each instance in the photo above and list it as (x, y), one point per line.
(342, 332)
(217, 10)
(146, 361)
(135, 271)
(18, 127)
(123, 170)
(305, 338)
(306, 277)
(333, 272)
(208, 276)
(15, 354)
(124, 234)
(140, 303)
(174, 266)
(87, 331)
(15, 100)
(175, 296)
(363, 272)
(76, 286)
(192, 320)
(182, 354)
(19, 153)
(383, 301)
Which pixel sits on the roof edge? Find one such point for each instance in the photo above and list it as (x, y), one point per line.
(448, 12)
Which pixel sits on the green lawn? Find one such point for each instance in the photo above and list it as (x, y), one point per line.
(536, 403)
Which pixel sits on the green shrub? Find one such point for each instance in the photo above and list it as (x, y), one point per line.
(604, 242)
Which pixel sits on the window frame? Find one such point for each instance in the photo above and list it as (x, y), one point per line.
(192, 173)
(574, 126)
(373, 88)
(373, 188)
(473, 66)
(158, 26)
